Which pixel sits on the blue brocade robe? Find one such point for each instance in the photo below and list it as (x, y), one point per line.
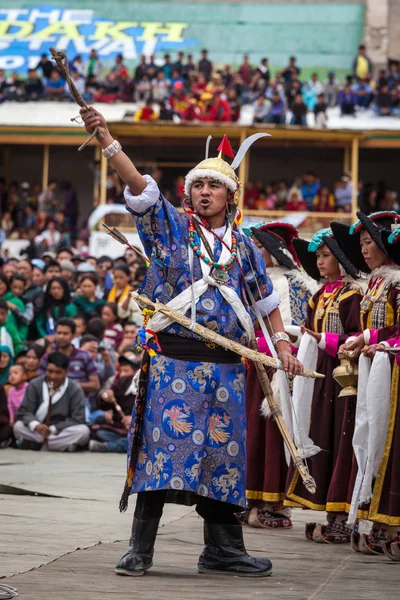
(193, 433)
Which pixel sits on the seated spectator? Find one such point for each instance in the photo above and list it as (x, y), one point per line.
(82, 368)
(320, 113)
(68, 271)
(331, 90)
(63, 426)
(277, 113)
(199, 86)
(295, 202)
(293, 90)
(34, 89)
(309, 96)
(251, 194)
(9, 337)
(309, 189)
(32, 361)
(94, 65)
(6, 431)
(161, 87)
(57, 304)
(113, 333)
(51, 236)
(6, 362)
(105, 370)
(117, 404)
(234, 105)
(324, 201)
(178, 99)
(347, 101)
(261, 109)
(51, 267)
(86, 302)
(45, 65)
(217, 110)
(369, 199)
(80, 329)
(383, 102)
(77, 66)
(315, 84)
(143, 89)
(18, 382)
(55, 86)
(393, 79)
(18, 308)
(146, 113)
(299, 110)
(363, 92)
(14, 88)
(281, 194)
(344, 193)
(129, 339)
(166, 113)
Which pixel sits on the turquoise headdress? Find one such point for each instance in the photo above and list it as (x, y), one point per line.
(318, 239)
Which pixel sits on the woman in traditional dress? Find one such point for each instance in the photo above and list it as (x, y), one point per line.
(265, 452)
(379, 322)
(333, 314)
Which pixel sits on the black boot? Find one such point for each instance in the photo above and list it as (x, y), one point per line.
(225, 553)
(139, 556)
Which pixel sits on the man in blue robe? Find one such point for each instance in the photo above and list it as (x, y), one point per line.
(190, 403)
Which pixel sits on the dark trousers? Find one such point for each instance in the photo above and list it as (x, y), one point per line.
(149, 505)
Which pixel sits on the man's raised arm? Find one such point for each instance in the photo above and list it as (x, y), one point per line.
(120, 161)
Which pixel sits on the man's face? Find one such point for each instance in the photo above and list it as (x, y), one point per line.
(55, 375)
(127, 371)
(38, 277)
(3, 315)
(209, 197)
(25, 269)
(63, 255)
(64, 336)
(53, 271)
(92, 347)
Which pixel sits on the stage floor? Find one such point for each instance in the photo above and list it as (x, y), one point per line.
(64, 544)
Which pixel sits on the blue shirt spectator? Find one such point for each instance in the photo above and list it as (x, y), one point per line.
(309, 189)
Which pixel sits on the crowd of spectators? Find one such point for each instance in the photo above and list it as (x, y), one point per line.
(308, 193)
(68, 326)
(193, 91)
(46, 217)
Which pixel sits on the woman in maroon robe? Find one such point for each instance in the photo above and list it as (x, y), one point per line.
(379, 322)
(333, 314)
(266, 466)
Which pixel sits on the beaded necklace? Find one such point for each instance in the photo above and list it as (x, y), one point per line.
(206, 259)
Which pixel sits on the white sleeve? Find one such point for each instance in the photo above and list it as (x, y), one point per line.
(140, 204)
(268, 304)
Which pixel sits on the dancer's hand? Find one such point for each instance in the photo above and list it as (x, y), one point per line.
(373, 349)
(317, 336)
(92, 119)
(291, 365)
(355, 347)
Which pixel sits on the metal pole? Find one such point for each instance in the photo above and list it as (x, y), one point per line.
(96, 178)
(243, 172)
(6, 165)
(46, 160)
(346, 159)
(354, 176)
(103, 179)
